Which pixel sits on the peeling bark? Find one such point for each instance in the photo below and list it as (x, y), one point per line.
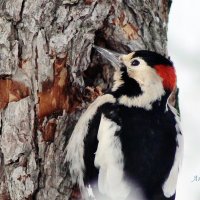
(49, 74)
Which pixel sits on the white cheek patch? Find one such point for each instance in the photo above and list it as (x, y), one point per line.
(151, 86)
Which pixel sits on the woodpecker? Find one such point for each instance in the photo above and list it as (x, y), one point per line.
(128, 144)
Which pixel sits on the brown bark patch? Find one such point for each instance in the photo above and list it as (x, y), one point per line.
(23, 178)
(130, 31)
(88, 2)
(93, 92)
(23, 161)
(60, 95)
(49, 131)
(165, 10)
(76, 194)
(5, 196)
(10, 91)
(21, 63)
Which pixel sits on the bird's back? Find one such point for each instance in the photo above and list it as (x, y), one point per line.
(148, 145)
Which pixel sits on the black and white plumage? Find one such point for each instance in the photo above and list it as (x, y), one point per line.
(128, 144)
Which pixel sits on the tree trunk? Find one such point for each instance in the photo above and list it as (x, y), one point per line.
(49, 73)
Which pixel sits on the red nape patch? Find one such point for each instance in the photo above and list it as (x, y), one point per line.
(168, 74)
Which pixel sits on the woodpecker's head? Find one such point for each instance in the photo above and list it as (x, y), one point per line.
(143, 75)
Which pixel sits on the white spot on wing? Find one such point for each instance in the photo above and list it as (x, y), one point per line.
(75, 148)
(109, 160)
(90, 192)
(169, 187)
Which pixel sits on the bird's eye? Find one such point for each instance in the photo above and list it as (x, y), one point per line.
(135, 63)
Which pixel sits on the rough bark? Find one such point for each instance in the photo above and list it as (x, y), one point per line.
(49, 73)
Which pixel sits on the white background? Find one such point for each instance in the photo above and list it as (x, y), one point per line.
(184, 50)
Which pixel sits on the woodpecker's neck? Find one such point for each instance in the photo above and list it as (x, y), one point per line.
(162, 103)
(132, 94)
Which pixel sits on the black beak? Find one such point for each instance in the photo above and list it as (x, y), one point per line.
(113, 57)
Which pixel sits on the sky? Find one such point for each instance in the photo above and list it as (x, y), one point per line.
(184, 50)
